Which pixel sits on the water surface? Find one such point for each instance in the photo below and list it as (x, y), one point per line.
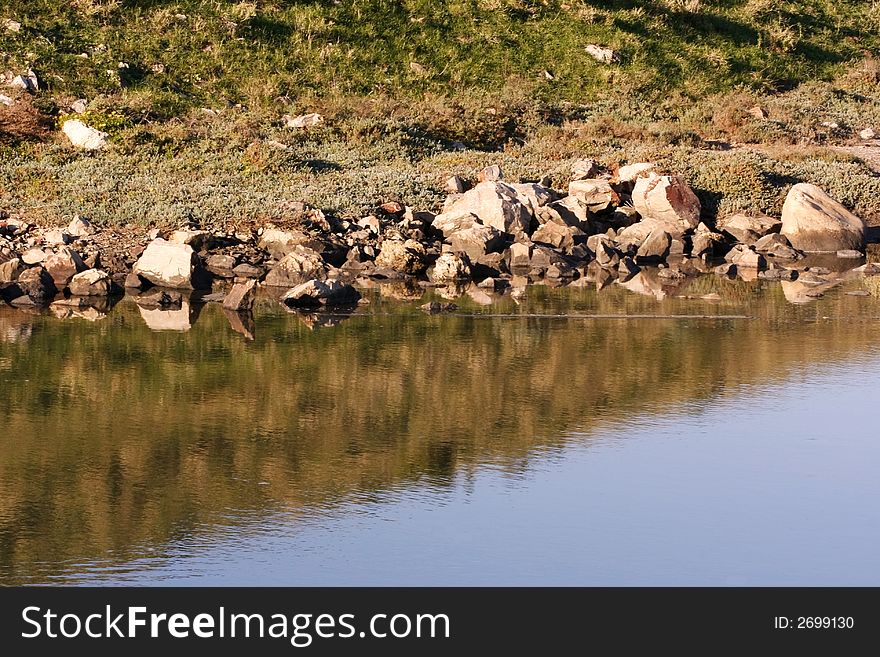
(573, 437)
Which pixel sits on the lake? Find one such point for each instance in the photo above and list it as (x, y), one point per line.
(573, 436)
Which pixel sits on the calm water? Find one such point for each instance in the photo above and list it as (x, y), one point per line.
(574, 437)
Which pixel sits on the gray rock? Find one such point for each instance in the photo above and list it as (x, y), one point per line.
(777, 246)
(298, 266)
(477, 240)
(37, 285)
(63, 265)
(748, 230)
(241, 296)
(90, 283)
(316, 293)
(405, 257)
(450, 267)
(655, 248)
(247, 270)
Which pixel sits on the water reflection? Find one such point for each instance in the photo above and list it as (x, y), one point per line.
(121, 440)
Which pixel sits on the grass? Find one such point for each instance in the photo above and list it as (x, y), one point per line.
(192, 94)
(173, 55)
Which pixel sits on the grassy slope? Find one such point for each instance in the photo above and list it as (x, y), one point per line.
(688, 72)
(257, 51)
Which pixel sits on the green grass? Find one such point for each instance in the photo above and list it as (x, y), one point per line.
(401, 82)
(192, 53)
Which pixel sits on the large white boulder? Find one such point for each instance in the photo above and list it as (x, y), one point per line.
(492, 203)
(667, 199)
(82, 136)
(167, 264)
(814, 222)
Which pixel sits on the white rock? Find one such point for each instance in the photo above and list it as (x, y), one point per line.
(631, 172)
(166, 264)
(814, 222)
(27, 82)
(667, 199)
(82, 136)
(90, 283)
(492, 203)
(867, 134)
(303, 120)
(450, 267)
(602, 54)
(79, 227)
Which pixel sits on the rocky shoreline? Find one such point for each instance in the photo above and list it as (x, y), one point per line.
(494, 236)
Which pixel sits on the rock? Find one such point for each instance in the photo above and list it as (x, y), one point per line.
(757, 112)
(634, 235)
(450, 267)
(199, 240)
(520, 256)
(595, 193)
(745, 258)
(867, 134)
(167, 264)
(33, 256)
(456, 185)
(814, 222)
(705, 242)
(727, 269)
(298, 266)
(63, 265)
(490, 174)
(631, 172)
(28, 82)
(748, 230)
(777, 246)
(849, 253)
(602, 54)
(278, 243)
(495, 204)
(79, 105)
(556, 235)
(405, 257)
(303, 120)
(606, 255)
(477, 240)
(37, 285)
(583, 169)
(655, 248)
(247, 270)
(56, 237)
(90, 283)
(667, 199)
(318, 293)
(778, 274)
(82, 136)
(435, 307)
(79, 227)
(10, 268)
(535, 195)
(133, 281)
(241, 296)
(11, 25)
(221, 265)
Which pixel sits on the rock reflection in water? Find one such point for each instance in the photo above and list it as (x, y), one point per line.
(119, 437)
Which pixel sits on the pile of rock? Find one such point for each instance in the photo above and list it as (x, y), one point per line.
(501, 235)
